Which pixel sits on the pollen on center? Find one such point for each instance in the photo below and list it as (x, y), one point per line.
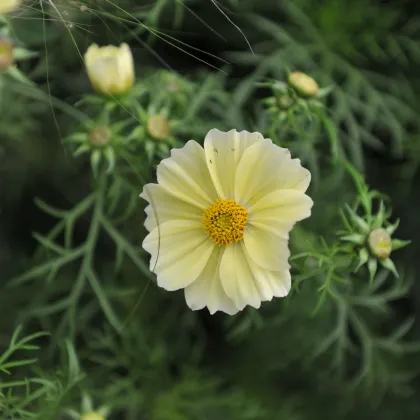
(225, 221)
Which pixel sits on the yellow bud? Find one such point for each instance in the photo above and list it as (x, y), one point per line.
(158, 127)
(92, 415)
(99, 137)
(6, 55)
(8, 5)
(110, 69)
(380, 243)
(304, 84)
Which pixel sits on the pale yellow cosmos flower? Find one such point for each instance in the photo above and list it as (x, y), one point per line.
(110, 69)
(8, 6)
(224, 214)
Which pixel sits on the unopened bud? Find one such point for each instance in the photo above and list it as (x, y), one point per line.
(158, 127)
(99, 136)
(7, 6)
(92, 415)
(303, 84)
(172, 87)
(6, 55)
(380, 243)
(110, 69)
(285, 102)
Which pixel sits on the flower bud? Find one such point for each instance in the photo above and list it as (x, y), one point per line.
(92, 415)
(99, 136)
(303, 84)
(110, 69)
(285, 102)
(8, 5)
(172, 87)
(380, 243)
(6, 54)
(158, 127)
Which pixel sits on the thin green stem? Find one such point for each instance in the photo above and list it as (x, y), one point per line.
(89, 246)
(126, 246)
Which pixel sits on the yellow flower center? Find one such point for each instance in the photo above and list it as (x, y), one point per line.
(225, 221)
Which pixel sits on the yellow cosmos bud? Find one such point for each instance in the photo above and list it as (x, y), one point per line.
(6, 55)
(380, 243)
(92, 415)
(158, 127)
(304, 84)
(110, 69)
(8, 5)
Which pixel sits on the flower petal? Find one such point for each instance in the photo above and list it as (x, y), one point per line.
(246, 283)
(280, 209)
(271, 283)
(167, 207)
(103, 74)
(266, 249)
(180, 250)
(125, 66)
(91, 55)
(207, 290)
(223, 153)
(237, 279)
(264, 168)
(185, 176)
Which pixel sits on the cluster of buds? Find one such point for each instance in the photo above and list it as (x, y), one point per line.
(300, 94)
(371, 236)
(111, 72)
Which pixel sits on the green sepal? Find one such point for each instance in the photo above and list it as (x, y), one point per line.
(95, 160)
(363, 258)
(380, 217)
(372, 266)
(392, 228)
(356, 238)
(361, 224)
(398, 244)
(389, 264)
